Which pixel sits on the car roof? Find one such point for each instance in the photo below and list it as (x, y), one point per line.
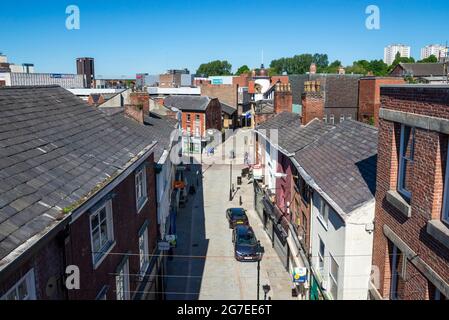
(243, 229)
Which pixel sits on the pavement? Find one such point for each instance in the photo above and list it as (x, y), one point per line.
(203, 265)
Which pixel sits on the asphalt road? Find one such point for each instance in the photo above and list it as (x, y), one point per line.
(203, 265)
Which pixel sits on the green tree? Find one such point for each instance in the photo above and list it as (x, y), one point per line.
(398, 59)
(243, 69)
(333, 67)
(431, 59)
(215, 68)
(299, 64)
(376, 67)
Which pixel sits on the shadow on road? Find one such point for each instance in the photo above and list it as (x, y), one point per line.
(186, 266)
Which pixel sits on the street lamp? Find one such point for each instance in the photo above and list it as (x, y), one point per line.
(260, 251)
(266, 288)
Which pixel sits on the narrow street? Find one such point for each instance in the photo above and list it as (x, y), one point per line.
(203, 265)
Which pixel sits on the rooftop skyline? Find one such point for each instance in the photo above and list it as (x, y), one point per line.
(152, 36)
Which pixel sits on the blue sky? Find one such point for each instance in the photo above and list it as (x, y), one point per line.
(126, 36)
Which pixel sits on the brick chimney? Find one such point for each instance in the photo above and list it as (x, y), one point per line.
(139, 106)
(312, 69)
(283, 98)
(312, 101)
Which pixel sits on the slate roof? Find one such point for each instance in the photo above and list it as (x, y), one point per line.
(292, 136)
(341, 90)
(422, 69)
(54, 151)
(343, 163)
(264, 106)
(226, 108)
(187, 103)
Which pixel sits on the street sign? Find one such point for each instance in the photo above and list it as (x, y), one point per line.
(299, 275)
(171, 239)
(163, 245)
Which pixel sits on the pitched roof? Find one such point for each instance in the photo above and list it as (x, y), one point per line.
(264, 106)
(292, 136)
(226, 108)
(343, 163)
(186, 103)
(55, 151)
(423, 69)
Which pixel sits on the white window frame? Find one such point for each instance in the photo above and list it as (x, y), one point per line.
(325, 118)
(445, 213)
(123, 272)
(97, 257)
(323, 212)
(321, 261)
(342, 118)
(144, 252)
(140, 183)
(402, 159)
(30, 283)
(333, 281)
(332, 119)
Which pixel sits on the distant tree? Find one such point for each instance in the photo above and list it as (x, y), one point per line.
(398, 59)
(299, 64)
(243, 69)
(376, 67)
(431, 59)
(333, 67)
(215, 68)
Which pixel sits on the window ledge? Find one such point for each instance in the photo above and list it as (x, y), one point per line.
(142, 204)
(98, 260)
(397, 201)
(439, 231)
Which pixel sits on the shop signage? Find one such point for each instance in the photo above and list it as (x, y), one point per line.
(299, 275)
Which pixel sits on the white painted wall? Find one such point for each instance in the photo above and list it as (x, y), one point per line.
(349, 244)
(6, 76)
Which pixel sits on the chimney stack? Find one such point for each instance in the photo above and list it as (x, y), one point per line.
(312, 102)
(138, 107)
(283, 98)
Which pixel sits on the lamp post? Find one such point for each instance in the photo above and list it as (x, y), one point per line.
(260, 251)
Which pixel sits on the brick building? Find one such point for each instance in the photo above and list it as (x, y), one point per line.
(78, 189)
(198, 115)
(369, 97)
(411, 241)
(279, 99)
(339, 94)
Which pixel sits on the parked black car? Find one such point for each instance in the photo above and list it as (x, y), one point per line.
(236, 216)
(246, 247)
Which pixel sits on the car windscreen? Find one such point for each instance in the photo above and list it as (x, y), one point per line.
(246, 240)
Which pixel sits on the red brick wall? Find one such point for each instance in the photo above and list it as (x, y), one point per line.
(134, 112)
(47, 263)
(312, 106)
(213, 115)
(369, 97)
(427, 188)
(241, 81)
(224, 92)
(127, 223)
(191, 124)
(282, 79)
(140, 98)
(283, 101)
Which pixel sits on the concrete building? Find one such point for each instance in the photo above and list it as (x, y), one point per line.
(391, 50)
(411, 235)
(85, 66)
(41, 79)
(439, 51)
